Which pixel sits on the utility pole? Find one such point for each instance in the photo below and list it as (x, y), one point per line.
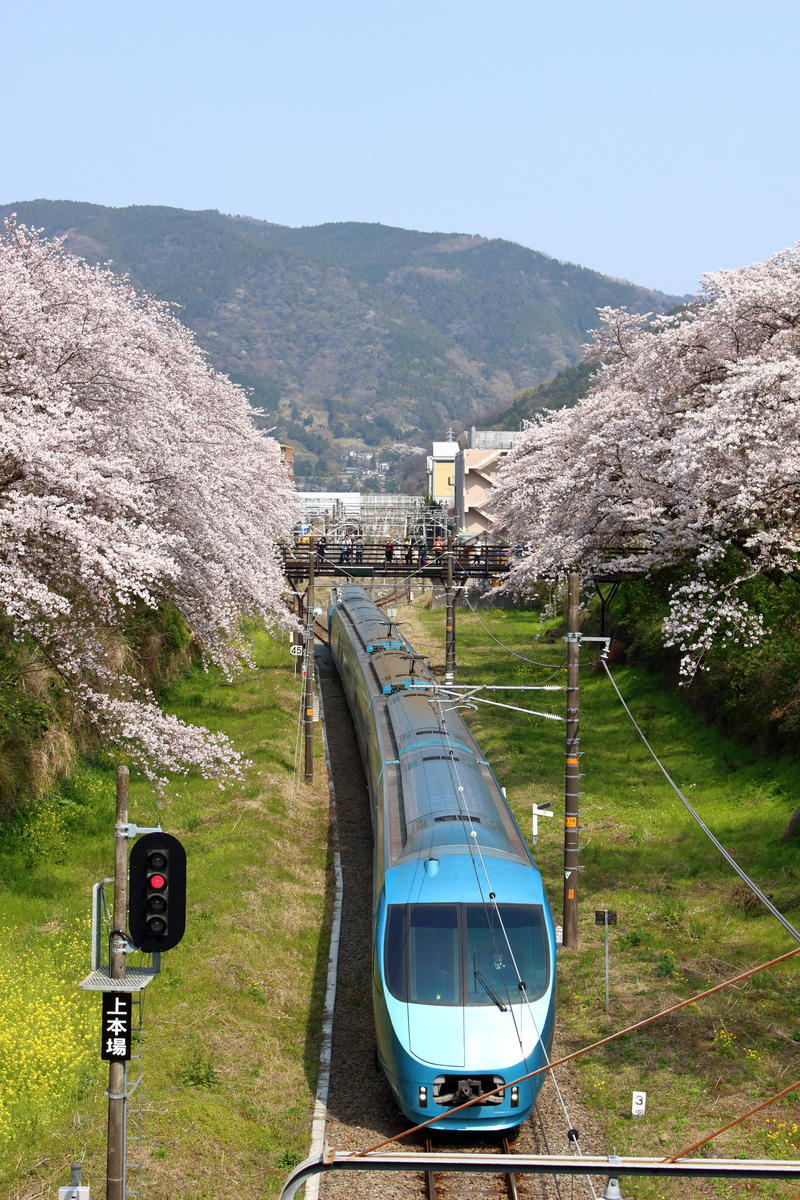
(572, 764)
(117, 1100)
(308, 683)
(450, 617)
(298, 662)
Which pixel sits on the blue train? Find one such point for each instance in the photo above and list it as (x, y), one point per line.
(463, 966)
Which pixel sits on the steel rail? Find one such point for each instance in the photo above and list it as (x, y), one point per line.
(430, 1176)
(511, 1179)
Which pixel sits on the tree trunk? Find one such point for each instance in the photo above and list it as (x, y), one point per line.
(793, 828)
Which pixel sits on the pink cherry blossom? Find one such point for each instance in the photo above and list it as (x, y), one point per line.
(685, 453)
(130, 473)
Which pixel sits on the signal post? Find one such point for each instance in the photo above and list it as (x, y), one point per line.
(153, 907)
(115, 1148)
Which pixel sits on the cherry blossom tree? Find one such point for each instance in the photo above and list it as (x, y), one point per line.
(684, 454)
(130, 474)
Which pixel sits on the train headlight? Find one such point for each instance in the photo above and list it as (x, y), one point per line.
(515, 1096)
(422, 1097)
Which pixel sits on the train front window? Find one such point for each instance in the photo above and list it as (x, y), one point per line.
(465, 953)
(503, 950)
(433, 967)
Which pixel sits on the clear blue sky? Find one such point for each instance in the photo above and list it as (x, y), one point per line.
(651, 141)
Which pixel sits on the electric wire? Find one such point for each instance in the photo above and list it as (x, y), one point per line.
(754, 888)
(474, 846)
(543, 1136)
(458, 700)
(612, 1037)
(738, 1120)
(475, 850)
(516, 654)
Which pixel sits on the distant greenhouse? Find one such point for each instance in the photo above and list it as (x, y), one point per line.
(375, 514)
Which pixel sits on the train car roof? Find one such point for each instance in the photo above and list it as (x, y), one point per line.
(451, 800)
(448, 799)
(455, 879)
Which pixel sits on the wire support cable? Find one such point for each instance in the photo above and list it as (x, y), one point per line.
(738, 1120)
(489, 900)
(469, 696)
(754, 888)
(612, 1037)
(533, 662)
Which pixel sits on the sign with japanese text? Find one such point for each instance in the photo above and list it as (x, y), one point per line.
(115, 1045)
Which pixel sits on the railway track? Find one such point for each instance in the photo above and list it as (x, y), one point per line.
(361, 1110)
(441, 1185)
(321, 629)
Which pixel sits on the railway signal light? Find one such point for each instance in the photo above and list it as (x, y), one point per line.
(157, 892)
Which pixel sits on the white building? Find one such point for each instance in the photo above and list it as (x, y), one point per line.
(441, 472)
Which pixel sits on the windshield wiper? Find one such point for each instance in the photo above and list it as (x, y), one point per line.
(481, 979)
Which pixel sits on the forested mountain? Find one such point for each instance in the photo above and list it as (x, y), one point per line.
(352, 336)
(564, 389)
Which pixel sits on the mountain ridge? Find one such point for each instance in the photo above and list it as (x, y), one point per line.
(352, 335)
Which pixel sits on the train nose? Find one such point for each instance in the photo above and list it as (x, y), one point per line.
(436, 1035)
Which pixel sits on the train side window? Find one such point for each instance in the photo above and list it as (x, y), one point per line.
(396, 953)
(527, 932)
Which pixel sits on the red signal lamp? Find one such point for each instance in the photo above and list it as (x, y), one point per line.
(157, 892)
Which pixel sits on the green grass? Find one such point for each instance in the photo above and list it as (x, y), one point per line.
(232, 1024)
(686, 922)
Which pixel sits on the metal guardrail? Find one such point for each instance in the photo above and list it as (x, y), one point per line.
(543, 1164)
(481, 562)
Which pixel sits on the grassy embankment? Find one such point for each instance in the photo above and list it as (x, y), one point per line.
(232, 1023)
(686, 921)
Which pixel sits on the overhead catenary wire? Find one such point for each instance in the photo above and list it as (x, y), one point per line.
(750, 883)
(722, 850)
(551, 1065)
(754, 888)
(490, 902)
(612, 1037)
(458, 694)
(737, 1121)
(533, 662)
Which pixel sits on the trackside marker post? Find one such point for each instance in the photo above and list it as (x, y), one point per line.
(606, 917)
